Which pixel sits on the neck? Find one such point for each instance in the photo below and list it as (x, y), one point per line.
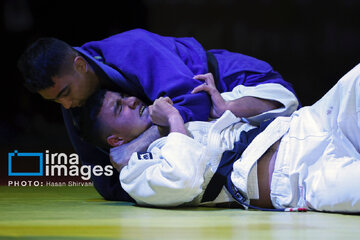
(93, 77)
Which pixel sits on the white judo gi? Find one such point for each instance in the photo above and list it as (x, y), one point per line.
(176, 169)
(317, 165)
(318, 162)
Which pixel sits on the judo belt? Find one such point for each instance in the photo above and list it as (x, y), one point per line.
(213, 66)
(235, 193)
(223, 172)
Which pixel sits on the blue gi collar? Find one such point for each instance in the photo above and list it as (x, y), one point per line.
(114, 75)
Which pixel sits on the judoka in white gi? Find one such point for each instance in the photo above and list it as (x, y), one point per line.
(316, 162)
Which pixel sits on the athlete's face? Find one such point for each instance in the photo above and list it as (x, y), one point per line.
(127, 117)
(73, 88)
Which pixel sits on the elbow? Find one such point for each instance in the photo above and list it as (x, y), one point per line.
(187, 186)
(183, 180)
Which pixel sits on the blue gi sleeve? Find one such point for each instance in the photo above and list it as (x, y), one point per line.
(107, 186)
(161, 66)
(238, 69)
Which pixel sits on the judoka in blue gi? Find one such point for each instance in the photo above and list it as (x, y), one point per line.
(148, 66)
(309, 160)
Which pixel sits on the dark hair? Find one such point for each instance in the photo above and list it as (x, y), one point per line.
(44, 59)
(90, 127)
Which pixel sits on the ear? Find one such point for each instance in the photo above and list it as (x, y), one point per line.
(114, 141)
(80, 64)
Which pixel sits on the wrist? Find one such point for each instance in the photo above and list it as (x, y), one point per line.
(227, 106)
(176, 124)
(175, 119)
(220, 108)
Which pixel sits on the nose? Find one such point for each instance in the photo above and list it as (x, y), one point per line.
(66, 103)
(132, 102)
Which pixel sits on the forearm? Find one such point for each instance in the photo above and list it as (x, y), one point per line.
(177, 124)
(120, 155)
(250, 106)
(142, 142)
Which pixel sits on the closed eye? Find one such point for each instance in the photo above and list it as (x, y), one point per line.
(63, 93)
(66, 92)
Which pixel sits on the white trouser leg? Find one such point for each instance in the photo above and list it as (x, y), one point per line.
(335, 185)
(321, 152)
(339, 109)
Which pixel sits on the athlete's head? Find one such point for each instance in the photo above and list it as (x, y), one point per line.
(110, 119)
(57, 72)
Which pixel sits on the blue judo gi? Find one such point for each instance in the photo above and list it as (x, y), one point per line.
(148, 66)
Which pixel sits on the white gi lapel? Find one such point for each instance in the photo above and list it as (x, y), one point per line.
(214, 137)
(256, 149)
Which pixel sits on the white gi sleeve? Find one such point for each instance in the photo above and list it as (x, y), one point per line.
(269, 91)
(166, 177)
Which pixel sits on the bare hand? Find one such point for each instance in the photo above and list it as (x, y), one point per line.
(219, 104)
(162, 110)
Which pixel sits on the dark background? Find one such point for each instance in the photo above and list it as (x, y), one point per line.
(311, 43)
